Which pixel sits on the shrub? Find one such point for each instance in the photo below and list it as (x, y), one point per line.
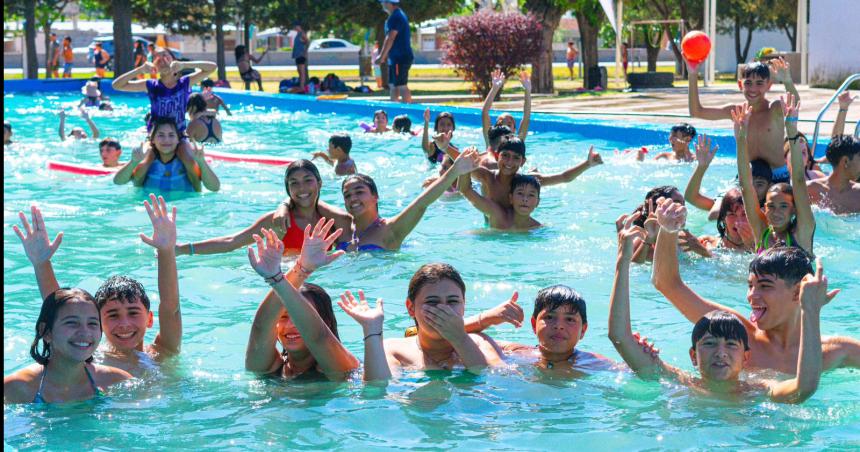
(482, 42)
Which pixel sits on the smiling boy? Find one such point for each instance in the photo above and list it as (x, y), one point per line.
(524, 198)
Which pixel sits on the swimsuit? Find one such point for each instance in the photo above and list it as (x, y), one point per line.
(39, 399)
(780, 175)
(356, 239)
(295, 236)
(439, 155)
(210, 132)
(764, 243)
(170, 176)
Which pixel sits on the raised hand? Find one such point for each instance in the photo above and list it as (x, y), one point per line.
(780, 70)
(62, 114)
(790, 105)
(690, 243)
(467, 161)
(198, 153)
(498, 78)
(137, 154)
(35, 240)
(593, 158)
(369, 318)
(443, 140)
(627, 233)
(745, 230)
(704, 152)
(741, 118)
(314, 249)
(444, 320)
(845, 100)
(525, 80)
(163, 225)
(671, 216)
(813, 289)
(646, 346)
(507, 312)
(426, 116)
(267, 261)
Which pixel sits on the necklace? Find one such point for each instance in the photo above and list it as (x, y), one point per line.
(445, 364)
(726, 238)
(551, 364)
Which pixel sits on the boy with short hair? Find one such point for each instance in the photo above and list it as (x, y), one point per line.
(840, 191)
(524, 198)
(679, 138)
(720, 341)
(766, 125)
(110, 151)
(339, 145)
(213, 100)
(774, 326)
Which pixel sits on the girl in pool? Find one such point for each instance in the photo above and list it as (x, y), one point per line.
(203, 126)
(371, 232)
(444, 125)
(644, 250)
(380, 123)
(299, 317)
(302, 208)
(155, 165)
(507, 119)
(735, 231)
(68, 332)
(810, 167)
(788, 218)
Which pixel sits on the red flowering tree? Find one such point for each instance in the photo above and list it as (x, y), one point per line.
(484, 41)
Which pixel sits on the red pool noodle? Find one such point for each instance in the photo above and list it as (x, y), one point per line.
(84, 170)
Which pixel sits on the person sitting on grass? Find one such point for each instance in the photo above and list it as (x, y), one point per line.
(523, 200)
(213, 101)
(337, 154)
(679, 138)
(507, 119)
(78, 133)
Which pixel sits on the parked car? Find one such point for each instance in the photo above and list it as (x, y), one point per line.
(332, 45)
(107, 44)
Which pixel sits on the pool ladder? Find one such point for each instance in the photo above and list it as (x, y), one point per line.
(839, 91)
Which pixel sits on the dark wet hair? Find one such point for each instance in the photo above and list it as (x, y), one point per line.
(553, 297)
(761, 169)
(110, 142)
(841, 146)
(196, 102)
(158, 121)
(513, 144)
(431, 274)
(364, 179)
(402, 124)
(239, 51)
(121, 288)
(684, 129)
(784, 188)
(208, 83)
(496, 134)
(655, 193)
(306, 165)
(786, 149)
(720, 324)
(380, 112)
(756, 69)
(790, 263)
(341, 140)
(321, 301)
(731, 199)
(524, 179)
(48, 315)
(7, 125)
(444, 114)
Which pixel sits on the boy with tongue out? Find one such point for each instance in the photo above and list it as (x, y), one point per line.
(775, 277)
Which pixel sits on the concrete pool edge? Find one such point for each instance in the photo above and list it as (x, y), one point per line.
(635, 134)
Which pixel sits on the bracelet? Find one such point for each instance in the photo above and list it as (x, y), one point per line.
(791, 119)
(302, 269)
(190, 248)
(794, 138)
(373, 334)
(274, 279)
(843, 109)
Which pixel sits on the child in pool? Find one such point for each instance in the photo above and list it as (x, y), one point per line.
(7, 133)
(203, 126)
(444, 125)
(402, 124)
(735, 232)
(775, 277)
(524, 199)
(155, 164)
(92, 93)
(110, 150)
(810, 166)
(68, 331)
(496, 135)
(298, 316)
(213, 100)
(122, 302)
(380, 123)
(78, 133)
(644, 246)
(679, 138)
(766, 119)
(720, 342)
(840, 191)
(436, 300)
(337, 154)
(787, 215)
(507, 119)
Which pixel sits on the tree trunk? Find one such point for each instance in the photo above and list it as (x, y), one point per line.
(791, 32)
(548, 13)
(738, 57)
(746, 51)
(219, 39)
(588, 33)
(680, 66)
(123, 60)
(46, 30)
(32, 68)
(652, 49)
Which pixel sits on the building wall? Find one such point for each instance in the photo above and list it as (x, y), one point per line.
(834, 40)
(724, 47)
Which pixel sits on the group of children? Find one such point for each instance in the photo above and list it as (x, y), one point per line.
(786, 294)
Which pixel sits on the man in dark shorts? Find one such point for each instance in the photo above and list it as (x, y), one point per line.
(300, 54)
(397, 50)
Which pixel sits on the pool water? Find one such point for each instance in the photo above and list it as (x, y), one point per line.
(205, 398)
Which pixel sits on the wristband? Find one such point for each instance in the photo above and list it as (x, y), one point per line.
(373, 334)
(274, 279)
(843, 109)
(302, 269)
(794, 138)
(791, 119)
(190, 248)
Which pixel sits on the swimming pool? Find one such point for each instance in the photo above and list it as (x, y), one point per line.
(205, 399)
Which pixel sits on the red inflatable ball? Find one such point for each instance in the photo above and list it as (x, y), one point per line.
(696, 46)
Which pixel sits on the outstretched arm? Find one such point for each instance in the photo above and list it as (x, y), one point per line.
(696, 108)
(93, 129)
(740, 116)
(498, 82)
(227, 243)
(527, 105)
(39, 250)
(129, 81)
(845, 100)
(572, 173)
(704, 155)
(507, 312)
(805, 228)
(261, 355)
(223, 104)
(169, 338)
(485, 205)
(202, 69)
(781, 72)
(62, 130)
(375, 362)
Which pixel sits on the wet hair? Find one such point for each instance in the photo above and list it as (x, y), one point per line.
(110, 142)
(553, 297)
(196, 103)
(786, 149)
(731, 199)
(444, 114)
(402, 124)
(761, 169)
(105, 105)
(380, 112)
(756, 69)
(208, 83)
(341, 140)
(513, 144)
(239, 51)
(842, 146)
(431, 274)
(785, 189)
(48, 315)
(121, 288)
(302, 164)
(720, 324)
(790, 263)
(364, 179)
(496, 134)
(321, 301)
(524, 179)
(665, 191)
(7, 125)
(684, 129)
(158, 121)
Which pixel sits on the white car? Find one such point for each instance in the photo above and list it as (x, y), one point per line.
(332, 45)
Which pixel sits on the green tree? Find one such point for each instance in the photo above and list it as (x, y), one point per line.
(690, 11)
(589, 17)
(25, 10)
(742, 18)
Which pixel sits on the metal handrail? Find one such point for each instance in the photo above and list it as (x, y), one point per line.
(839, 91)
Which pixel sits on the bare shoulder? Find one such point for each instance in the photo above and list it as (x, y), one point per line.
(840, 351)
(21, 386)
(106, 375)
(328, 209)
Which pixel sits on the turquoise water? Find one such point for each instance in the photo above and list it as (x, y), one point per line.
(205, 399)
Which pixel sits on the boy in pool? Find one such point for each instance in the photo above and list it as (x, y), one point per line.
(496, 185)
(7, 133)
(402, 124)
(679, 138)
(78, 133)
(766, 125)
(123, 304)
(720, 342)
(497, 134)
(213, 101)
(506, 119)
(110, 150)
(524, 198)
(337, 154)
(840, 191)
(775, 277)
